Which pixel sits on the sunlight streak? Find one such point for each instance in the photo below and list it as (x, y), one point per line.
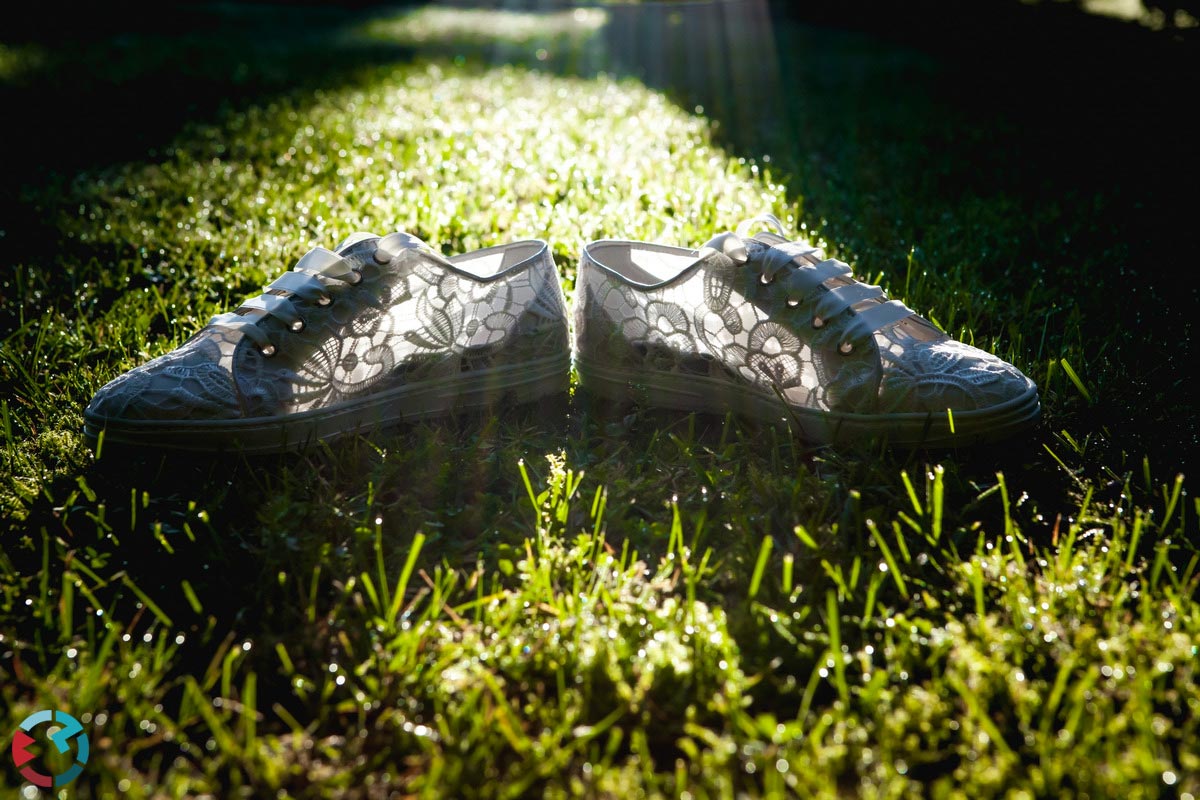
(716, 58)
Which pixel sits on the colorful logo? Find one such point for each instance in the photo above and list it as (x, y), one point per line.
(68, 729)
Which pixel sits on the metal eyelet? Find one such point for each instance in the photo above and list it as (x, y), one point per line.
(763, 279)
(356, 277)
(382, 256)
(792, 302)
(845, 348)
(268, 351)
(298, 325)
(817, 322)
(324, 300)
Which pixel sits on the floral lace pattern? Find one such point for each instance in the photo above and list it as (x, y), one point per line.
(413, 318)
(944, 374)
(722, 319)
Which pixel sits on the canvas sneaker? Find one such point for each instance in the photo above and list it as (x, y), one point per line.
(378, 331)
(771, 328)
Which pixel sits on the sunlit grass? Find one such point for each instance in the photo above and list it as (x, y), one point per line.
(466, 26)
(567, 601)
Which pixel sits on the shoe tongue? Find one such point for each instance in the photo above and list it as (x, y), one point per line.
(317, 259)
(353, 239)
(727, 244)
(767, 238)
(393, 243)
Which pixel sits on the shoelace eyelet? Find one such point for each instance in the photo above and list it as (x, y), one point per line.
(817, 322)
(355, 277)
(324, 300)
(382, 256)
(845, 348)
(298, 325)
(764, 279)
(268, 351)
(792, 302)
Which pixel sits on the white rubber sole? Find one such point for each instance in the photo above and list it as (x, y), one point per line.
(473, 391)
(905, 430)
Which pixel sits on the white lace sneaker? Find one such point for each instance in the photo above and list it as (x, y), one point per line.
(381, 331)
(771, 328)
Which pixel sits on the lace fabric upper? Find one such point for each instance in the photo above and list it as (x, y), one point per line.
(780, 316)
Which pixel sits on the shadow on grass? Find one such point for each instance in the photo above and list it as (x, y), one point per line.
(131, 85)
(849, 149)
(900, 126)
(276, 543)
(109, 83)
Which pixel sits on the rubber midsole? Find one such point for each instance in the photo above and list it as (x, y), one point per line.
(477, 389)
(711, 395)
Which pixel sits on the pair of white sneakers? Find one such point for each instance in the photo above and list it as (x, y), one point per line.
(383, 330)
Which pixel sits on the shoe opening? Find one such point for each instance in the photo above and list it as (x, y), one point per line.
(640, 263)
(493, 261)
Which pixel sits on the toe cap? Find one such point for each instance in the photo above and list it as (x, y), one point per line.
(947, 374)
(182, 384)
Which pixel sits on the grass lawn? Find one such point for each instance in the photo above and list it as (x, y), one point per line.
(571, 601)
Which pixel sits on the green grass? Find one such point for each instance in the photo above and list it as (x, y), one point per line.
(560, 601)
